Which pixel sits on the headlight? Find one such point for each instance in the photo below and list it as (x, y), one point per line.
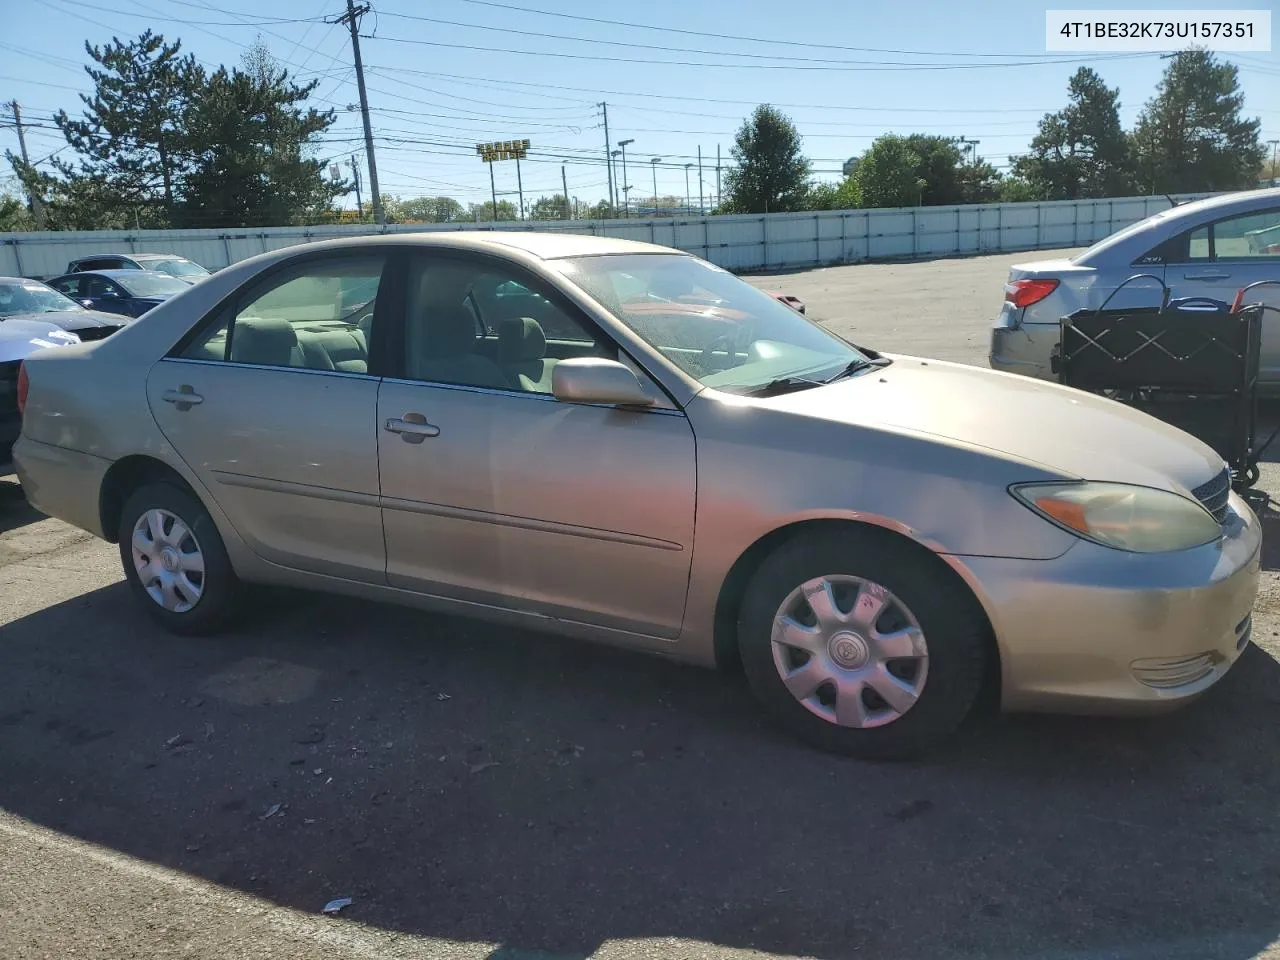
(1137, 519)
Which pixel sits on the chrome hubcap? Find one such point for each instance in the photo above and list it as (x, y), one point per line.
(168, 560)
(850, 651)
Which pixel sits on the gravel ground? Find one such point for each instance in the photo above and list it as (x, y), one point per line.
(481, 793)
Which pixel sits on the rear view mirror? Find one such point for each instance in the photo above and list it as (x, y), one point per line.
(596, 380)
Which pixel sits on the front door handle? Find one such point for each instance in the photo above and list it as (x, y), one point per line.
(1207, 275)
(412, 427)
(184, 398)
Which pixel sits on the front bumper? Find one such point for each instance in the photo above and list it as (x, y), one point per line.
(1102, 631)
(1025, 350)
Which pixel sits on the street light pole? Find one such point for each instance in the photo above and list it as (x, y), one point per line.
(622, 146)
(653, 166)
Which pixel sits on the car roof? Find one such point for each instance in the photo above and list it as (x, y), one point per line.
(19, 280)
(113, 274)
(545, 246)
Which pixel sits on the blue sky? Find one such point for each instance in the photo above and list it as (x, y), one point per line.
(836, 67)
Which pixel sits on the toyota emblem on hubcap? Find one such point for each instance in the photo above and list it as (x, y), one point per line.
(849, 650)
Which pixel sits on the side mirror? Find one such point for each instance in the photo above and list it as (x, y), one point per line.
(87, 303)
(596, 380)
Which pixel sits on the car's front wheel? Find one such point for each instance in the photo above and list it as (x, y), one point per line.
(860, 643)
(174, 560)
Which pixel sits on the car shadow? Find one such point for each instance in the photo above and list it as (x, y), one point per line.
(15, 512)
(479, 784)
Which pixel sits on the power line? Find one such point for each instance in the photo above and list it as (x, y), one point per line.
(898, 68)
(665, 48)
(771, 41)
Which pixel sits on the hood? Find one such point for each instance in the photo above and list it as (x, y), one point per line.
(1069, 432)
(75, 319)
(19, 337)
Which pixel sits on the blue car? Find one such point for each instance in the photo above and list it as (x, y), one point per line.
(128, 292)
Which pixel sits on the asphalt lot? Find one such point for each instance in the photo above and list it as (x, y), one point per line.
(481, 793)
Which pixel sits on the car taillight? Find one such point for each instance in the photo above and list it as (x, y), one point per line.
(1023, 293)
(23, 385)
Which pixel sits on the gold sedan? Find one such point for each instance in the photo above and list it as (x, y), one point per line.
(626, 444)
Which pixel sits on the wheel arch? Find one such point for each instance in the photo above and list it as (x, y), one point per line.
(125, 476)
(733, 588)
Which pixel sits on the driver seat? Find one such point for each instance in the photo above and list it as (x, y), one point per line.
(522, 354)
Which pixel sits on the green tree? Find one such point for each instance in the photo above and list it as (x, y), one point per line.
(771, 173)
(484, 211)
(252, 155)
(1080, 151)
(832, 196)
(600, 211)
(14, 215)
(549, 208)
(1190, 136)
(939, 166)
(1016, 190)
(428, 210)
(132, 141)
(887, 175)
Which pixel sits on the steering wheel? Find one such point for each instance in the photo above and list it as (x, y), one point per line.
(709, 350)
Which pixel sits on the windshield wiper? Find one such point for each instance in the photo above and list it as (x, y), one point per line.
(783, 385)
(862, 363)
(789, 384)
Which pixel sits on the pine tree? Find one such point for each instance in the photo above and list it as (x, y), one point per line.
(1191, 136)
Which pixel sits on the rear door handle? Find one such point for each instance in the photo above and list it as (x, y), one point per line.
(1209, 275)
(184, 398)
(412, 427)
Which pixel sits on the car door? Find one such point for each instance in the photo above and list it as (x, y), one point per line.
(495, 492)
(286, 441)
(1227, 255)
(104, 294)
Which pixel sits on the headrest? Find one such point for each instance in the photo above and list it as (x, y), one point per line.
(521, 339)
(268, 340)
(449, 328)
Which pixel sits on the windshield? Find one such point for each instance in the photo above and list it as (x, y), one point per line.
(32, 297)
(143, 283)
(716, 328)
(177, 268)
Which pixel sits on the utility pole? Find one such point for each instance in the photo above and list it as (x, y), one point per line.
(1275, 146)
(622, 146)
(653, 166)
(608, 161)
(355, 175)
(352, 19)
(519, 186)
(688, 203)
(719, 197)
(702, 206)
(37, 208)
(564, 182)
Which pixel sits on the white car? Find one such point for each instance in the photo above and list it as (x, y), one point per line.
(1208, 248)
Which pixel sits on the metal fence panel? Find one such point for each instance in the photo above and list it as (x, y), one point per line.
(740, 242)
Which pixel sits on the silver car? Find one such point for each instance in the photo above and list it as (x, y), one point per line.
(1208, 248)
(624, 443)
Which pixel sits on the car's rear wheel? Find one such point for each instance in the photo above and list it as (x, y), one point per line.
(860, 643)
(174, 560)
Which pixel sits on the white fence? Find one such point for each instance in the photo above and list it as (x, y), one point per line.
(740, 242)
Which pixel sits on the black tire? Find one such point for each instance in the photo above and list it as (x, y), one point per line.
(954, 626)
(220, 593)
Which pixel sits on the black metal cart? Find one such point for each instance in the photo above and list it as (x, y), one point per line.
(1191, 363)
